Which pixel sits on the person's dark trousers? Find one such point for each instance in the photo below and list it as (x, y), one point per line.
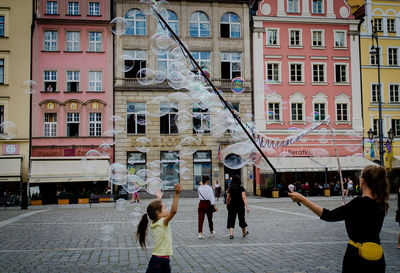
(232, 211)
(158, 265)
(204, 209)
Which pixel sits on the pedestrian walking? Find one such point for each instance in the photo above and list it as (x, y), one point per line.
(235, 203)
(206, 206)
(158, 213)
(350, 187)
(135, 195)
(363, 217)
(218, 190)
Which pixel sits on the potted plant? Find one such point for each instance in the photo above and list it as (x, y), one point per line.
(63, 198)
(83, 198)
(36, 199)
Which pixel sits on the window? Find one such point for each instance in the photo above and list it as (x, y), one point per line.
(199, 25)
(374, 93)
(391, 25)
(51, 7)
(318, 73)
(317, 38)
(164, 62)
(230, 26)
(230, 65)
(272, 37)
(94, 124)
(170, 163)
(341, 112)
(72, 124)
(136, 162)
(340, 73)
(73, 8)
(202, 58)
(273, 111)
(73, 81)
(317, 7)
(135, 22)
(393, 57)
(137, 62)
(378, 24)
(375, 126)
(396, 127)
(1, 26)
(1, 118)
(295, 37)
(135, 117)
(50, 124)
(201, 167)
(394, 93)
(273, 73)
(94, 8)
(340, 39)
(50, 81)
(167, 122)
(73, 41)
(95, 43)
(293, 5)
(374, 56)
(297, 112)
(95, 81)
(50, 40)
(201, 120)
(319, 109)
(296, 73)
(172, 19)
(1, 71)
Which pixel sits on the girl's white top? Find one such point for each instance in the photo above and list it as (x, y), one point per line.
(206, 192)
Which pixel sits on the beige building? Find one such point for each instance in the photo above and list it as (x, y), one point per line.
(218, 36)
(15, 59)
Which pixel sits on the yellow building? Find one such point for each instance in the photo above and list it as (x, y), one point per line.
(15, 59)
(385, 15)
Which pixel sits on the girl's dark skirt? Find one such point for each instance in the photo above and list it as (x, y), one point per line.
(353, 263)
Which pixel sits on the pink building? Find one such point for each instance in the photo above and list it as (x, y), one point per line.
(73, 67)
(308, 70)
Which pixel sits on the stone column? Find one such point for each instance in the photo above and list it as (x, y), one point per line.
(306, 8)
(329, 9)
(281, 8)
(258, 68)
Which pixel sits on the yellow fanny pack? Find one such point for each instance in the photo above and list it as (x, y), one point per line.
(369, 251)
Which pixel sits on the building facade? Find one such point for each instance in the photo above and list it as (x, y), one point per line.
(386, 16)
(217, 34)
(15, 55)
(72, 110)
(306, 64)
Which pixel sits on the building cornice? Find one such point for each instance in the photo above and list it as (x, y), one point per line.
(52, 21)
(306, 20)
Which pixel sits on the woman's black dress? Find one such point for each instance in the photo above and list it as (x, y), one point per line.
(363, 219)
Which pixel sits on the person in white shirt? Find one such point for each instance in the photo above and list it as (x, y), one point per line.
(207, 201)
(350, 187)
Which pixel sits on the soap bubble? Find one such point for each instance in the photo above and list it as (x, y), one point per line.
(117, 173)
(9, 130)
(117, 122)
(154, 167)
(284, 158)
(165, 105)
(143, 144)
(135, 214)
(153, 185)
(127, 62)
(121, 204)
(320, 157)
(30, 87)
(105, 149)
(354, 141)
(324, 136)
(131, 185)
(238, 85)
(146, 76)
(141, 117)
(160, 76)
(118, 25)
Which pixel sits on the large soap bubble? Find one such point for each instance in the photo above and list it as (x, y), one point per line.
(153, 185)
(146, 76)
(127, 62)
(30, 87)
(320, 157)
(143, 144)
(238, 85)
(118, 25)
(121, 204)
(8, 129)
(118, 174)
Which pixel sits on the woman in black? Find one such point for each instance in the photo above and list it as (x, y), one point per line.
(398, 215)
(363, 218)
(236, 200)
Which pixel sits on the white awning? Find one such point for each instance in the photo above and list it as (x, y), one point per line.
(10, 168)
(318, 164)
(396, 162)
(68, 169)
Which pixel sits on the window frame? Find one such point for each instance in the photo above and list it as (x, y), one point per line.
(134, 21)
(394, 95)
(198, 24)
(90, 9)
(95, 126)
(2, 71)
(277, 38)
(173, 23)
(279, 72)
(94, 44)
(319, 110)
(168, 162)
(52, 125)
(2, 26)
(135, 113)
(231, 23)
(376, 58)
(341, 110)
(346, 82)
(138, 62)
(274, 109)
(138, 162)
(197, 55)
(171, 115)
(68, 87)
(2, 117)
(396, 127)
(390, 60)
(302, 81)
(202, 162)
(336, 45)
(75, 43)
(300, 45)
(53, 9)
(324, 71)
(50, 80)
(74, 120)
(322, 7)
(52, 43)
(231, 61)
(373, 84)
(391, 28)
(322, 31)
(74, 5)
(297, 5)
(96, 81)
(202, 115)
(379, 26)
(297, 110)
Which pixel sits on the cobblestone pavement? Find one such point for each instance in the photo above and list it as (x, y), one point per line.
(283, 238)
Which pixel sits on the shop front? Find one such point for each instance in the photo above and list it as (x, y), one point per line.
(10, 174)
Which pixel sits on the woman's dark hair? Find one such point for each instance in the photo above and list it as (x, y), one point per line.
(375, 178)
(205, 178)
(236, 181)
(152, 209)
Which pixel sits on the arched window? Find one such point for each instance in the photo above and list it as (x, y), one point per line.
(230, 25)
(172, 20)
(199, 25)
(135, 22)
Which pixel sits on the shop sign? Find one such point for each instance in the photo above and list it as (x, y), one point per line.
(164, 142)
(296, 151)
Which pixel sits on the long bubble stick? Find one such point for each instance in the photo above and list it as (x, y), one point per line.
(338, 162)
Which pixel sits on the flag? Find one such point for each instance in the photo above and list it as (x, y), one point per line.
(219, 152)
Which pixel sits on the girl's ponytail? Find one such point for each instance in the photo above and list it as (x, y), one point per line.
(142, 231)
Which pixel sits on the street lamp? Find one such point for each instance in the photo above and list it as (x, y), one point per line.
(391, 134)
(375, 50)
(370, 134)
